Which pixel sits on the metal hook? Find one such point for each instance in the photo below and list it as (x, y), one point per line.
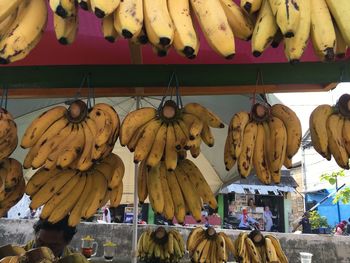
(4, 96)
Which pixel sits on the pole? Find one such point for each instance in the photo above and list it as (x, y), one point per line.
(134, 224)
(303, 168)
(336, 189)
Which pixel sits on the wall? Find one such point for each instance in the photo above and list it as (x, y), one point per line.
(297, 199)
(287, 213)
(324, 248)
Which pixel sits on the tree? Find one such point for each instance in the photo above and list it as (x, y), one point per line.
(317, 220)
(343, 195)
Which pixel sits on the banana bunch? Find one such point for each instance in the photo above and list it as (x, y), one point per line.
(168, 133)
(15, 254)
(267, 249)
(8, 134)
(173, 193)
(265, 139)
(12, 184)
(205, 245)
(330, 131)
(22, 24)
(71, 138)
(76, 193)
(160, 246)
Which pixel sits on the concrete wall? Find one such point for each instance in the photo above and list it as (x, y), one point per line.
(327, 249)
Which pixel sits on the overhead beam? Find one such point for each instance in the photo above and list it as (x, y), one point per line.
(159, 91)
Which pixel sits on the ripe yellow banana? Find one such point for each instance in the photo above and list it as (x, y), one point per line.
(228, 242)
(340, 45)
(207, 136)
(41, 124)
(228, 153)
(85, 160)
(118, 174)
(25, 30)
(108, 30)
(204, 114)
(340, 10)
(9, 143)
(238, 123)
(158, 23)
(142, 191)
(205, 256)
(177, 197)
(346, 135)
(12, 197)
(168, 210)
(214, 24)
(63, 8)
(116, 195)
(277, 144)
(213, 251)
(185, 37)
(39, 179)
(259, 157)
(279, 251)
(128, 18)
(191, 197)
(155, 190)
(13, 173)
(245, 159)
(194, 125)
(252, 251)
(336, 145)
(293, 126)
(103, 124)
(133, 121)
(102, 8)
(318, 130)
(264, 30)
(170, 149)
(322, 30)
(294, 47)
(196, 234)
(158, 146)
(199, 249)
(199, 182)
(8, 7)
(270, 251)
(6, 24)
(251, 6)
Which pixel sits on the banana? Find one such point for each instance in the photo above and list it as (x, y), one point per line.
(214, 25)
(346, 135)
(85, 160)
(181, 137)
(277, 144)
(210, 118)
(204, 256)
(41, 124)
(213, 251)
(251, 6)
(170, 244)
(293, 126)
(228, 156)
(191, 197)
(14, 173)
(103, 124)
(322, 30)
(158, 23)
(39, 179)
(108, 30)
(207, 136)
(136, 137)
(133, 121)
(155, 190)
(253, 252)
(336, 145)
(6, 24)
(259, 157)
(2, 188)
(287, 15)
(9, 143)
(294, 47)
(177, 197)
(185, 37)
(340, 45)
(221, 253)
(85, 5)
(12, 197)
(228, 242)
(142, 191)
(245, 159)
(199, 182)
(279, 251)
(340, 10)
(288, 162)
(264, 30)
(168, 210)
(66, 29)
(102, 8)
(238, 124)
(270, 251)
(100, 188)
(241, 24)
(75, 214)
(63, 8)
(116, 195)
(196, 234)
(241, 248)
(199, 249)
(318, 130)
(106, 169)
(60, 197)
(158, 146)
(25, 30)
(170, 149)
(8, 7)
(118, 174)
(128, 18)
(51, 187)
(194, 125)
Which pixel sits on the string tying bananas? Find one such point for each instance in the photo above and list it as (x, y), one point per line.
(8, 134)
(69, 191)
(264, 139)
(330, 131)
(160, 246)
(206, 245)
(256, 248)
(164, 134)
(71, 138)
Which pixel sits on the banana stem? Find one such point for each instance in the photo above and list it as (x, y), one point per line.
(77, 111)
(344, 105)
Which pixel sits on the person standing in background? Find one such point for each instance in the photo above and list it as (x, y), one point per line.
(251, 205)
(305, 222)
(106, 214)
(268, 218)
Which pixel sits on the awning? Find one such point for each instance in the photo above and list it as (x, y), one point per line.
(256, 189)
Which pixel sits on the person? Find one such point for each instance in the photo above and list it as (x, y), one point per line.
(106, 214)
(268, 218)
(246, 220)
(340, 228)
(305, 223)
(251, 205)
(348, 227)
(54, 236)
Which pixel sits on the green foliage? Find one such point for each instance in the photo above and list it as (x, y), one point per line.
(342, 195)
(317, 221)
